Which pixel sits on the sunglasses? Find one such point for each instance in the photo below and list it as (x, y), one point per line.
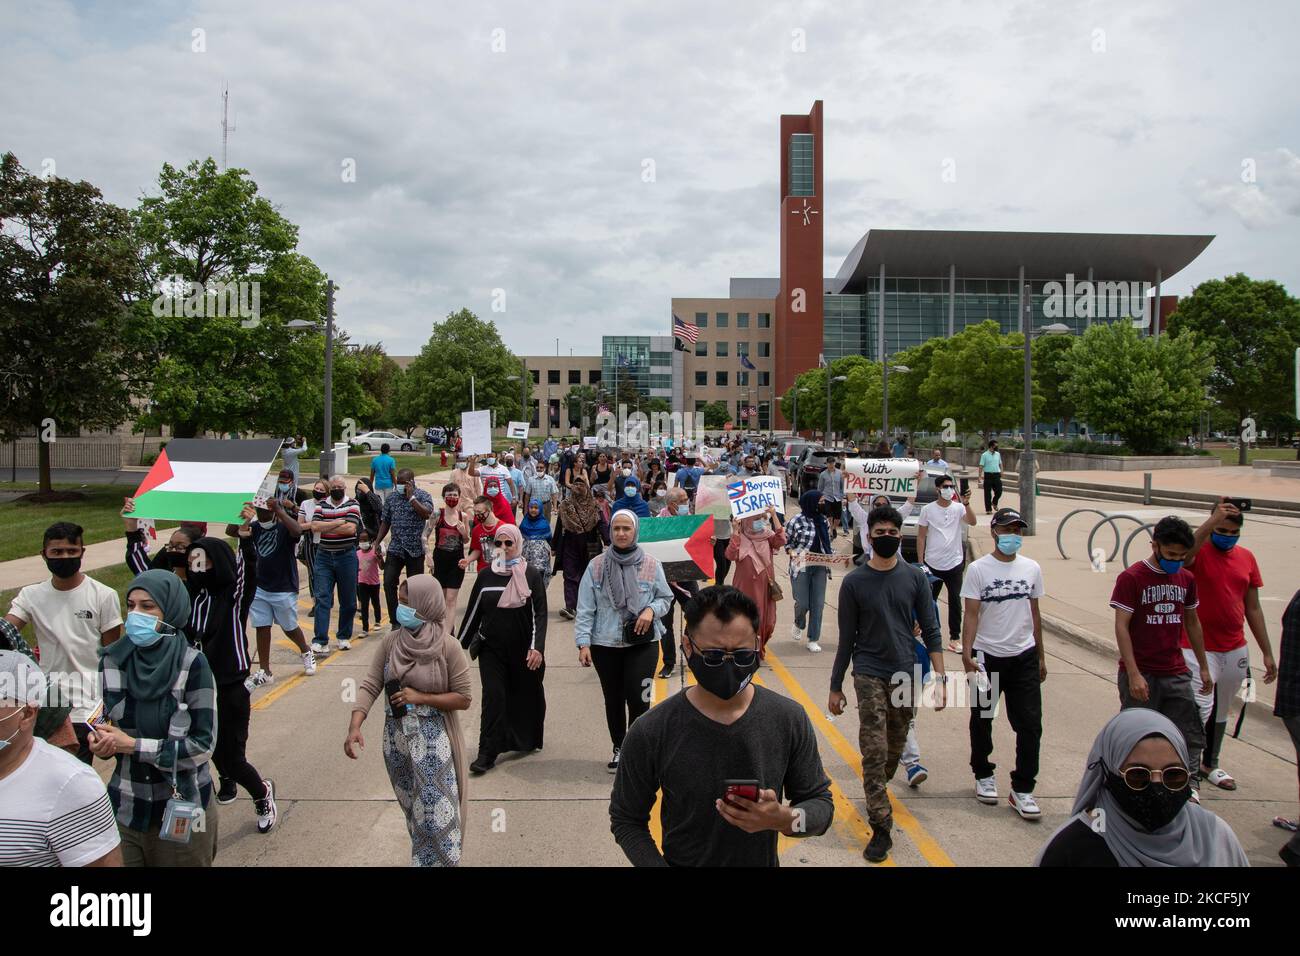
(1139, 778)
(502, 542)
(715, 657)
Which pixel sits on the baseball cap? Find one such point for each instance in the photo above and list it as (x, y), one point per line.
(1006, 516)
(21, 680)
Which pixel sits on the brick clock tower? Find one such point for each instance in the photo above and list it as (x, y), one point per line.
(798, 331)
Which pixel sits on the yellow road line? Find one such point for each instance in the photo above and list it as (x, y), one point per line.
(925, 843)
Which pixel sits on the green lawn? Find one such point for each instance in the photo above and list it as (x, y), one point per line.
(100, 514)
(116, 576)
(1229, 455)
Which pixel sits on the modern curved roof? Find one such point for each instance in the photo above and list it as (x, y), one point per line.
(990, 255)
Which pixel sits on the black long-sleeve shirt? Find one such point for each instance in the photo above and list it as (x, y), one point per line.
(525, 624)
(676, 749)
(876, 613)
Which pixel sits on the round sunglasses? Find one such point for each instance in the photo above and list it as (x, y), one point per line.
(1175, 777)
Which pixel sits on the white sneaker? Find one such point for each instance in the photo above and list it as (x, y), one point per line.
(1025, 805)
(308, 663)
(814, 647)
(796, 633)
(258, 679)
(345, 645)
(986, 790)
(320, 649)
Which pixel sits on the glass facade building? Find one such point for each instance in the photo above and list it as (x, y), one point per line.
(644, 360)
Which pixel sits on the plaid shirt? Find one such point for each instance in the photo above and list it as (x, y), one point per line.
(405, 526)
(542, 488)
(142, 781)
(800, 533)
(1287, 697)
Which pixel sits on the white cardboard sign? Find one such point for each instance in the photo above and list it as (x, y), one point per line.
(750, 497)
(881, 476)
(476, 432)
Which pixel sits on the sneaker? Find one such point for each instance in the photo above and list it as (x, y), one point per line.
(567, 614)
(916, 775)
(954, 646)
(612, 766)
(258, 679)
(666, 672)
(308, 663)
(320, 648)
(267, 814)
(814, 647)
(878, 846)
(1024, 804)
(986, 790)
(227, 792)
(345, 645)
(796, 633)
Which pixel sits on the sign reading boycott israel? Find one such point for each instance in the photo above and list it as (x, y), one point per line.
(895, 477)
(753, 496)
(199, 479)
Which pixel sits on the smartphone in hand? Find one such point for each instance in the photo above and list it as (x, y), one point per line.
(748, 789)
(1241, 504)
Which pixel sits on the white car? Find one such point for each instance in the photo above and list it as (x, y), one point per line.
(373, 441)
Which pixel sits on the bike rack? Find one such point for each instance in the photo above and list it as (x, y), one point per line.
(1147, 528)
(1061, 527)
(1110, 520)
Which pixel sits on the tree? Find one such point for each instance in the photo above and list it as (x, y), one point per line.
(811, 386)
(1053, 362)
(977, 379)
(436, 386)
(716, 414)
(69, 269)
(1145, 389)
(865, 392)
(906, 405)
(1253, 327)
(582, 403)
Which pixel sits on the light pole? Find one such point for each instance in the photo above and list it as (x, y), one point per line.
(829, 379)
(797, 393)
(327, 444)
(1028, 503)
(884, 381)
(523, 393)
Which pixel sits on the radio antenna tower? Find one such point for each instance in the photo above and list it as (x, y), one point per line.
(226, 128)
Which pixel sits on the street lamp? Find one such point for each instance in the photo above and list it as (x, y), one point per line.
(1028, 504)
(797, 393)
(829, 379)
(327, 444)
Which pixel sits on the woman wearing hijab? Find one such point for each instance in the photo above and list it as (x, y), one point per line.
(423, 675)
(371, 505)
(601, 495)
(162, 751)
(622, 599)
(505, 628)
(580, 531)
(221, 585)
(536, 531)
(630, 499)
(1134, 804)
(753, 543)
(807, 533)
(500, 506)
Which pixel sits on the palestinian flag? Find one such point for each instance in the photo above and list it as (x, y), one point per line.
(196, 479)
(682, 544)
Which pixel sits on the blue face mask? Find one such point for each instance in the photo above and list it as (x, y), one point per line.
(407, 618)
(492, 492)
(1224, 542)
(630, 491)
(760, 526)
(683, 509)
(1010, 543)
(143, 629)
(283, 487)
(1170, 567)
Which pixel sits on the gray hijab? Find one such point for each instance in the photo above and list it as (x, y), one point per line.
(621, 570)
(1196, 837)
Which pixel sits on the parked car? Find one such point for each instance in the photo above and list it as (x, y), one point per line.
(810, 466)
(372, 441)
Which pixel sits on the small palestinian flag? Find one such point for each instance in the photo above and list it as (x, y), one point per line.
(682, 544)
(196, 479)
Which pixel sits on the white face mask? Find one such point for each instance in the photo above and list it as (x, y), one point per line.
(947, 493)
(5, 742)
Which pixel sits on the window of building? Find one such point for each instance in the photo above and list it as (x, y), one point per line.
(593, 376)
(801, 164)
(742, 378)
(742, 320)
(764, 349)
(702, 320)
(721, 318)
(720, 378)
(702, 348)
(536, 374)
(720, 349)
(553, 377)
(765, 320)
(701, 378)
(575, 376)
(742, 348)
(764, 379)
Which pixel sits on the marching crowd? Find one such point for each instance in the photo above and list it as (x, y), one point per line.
(165, 691)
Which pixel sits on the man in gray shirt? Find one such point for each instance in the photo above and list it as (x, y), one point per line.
(831, 485)
(721, 729)
(879, 603)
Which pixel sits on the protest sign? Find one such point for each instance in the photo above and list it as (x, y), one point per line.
(799, 560)
(588, 441)
(711, 497)
(749, 497)
(517, 431)
(881, 476)
(476, 432)
(682, 544)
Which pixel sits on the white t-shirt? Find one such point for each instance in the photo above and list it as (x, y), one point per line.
(68, 625)
(1003, 588)
(943, 545)
(54, 811)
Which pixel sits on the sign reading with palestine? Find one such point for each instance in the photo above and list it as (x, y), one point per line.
(895, 477)
(199, 479)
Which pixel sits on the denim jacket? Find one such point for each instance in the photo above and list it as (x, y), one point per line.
(598, 622)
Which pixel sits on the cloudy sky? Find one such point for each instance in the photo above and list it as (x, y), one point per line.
(504, 145)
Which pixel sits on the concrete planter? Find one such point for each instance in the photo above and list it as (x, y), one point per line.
(1062, 461)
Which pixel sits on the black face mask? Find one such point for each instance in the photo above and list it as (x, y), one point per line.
(337, 495)
(886, 546)
(726, 681)
(176, 559)
(319, 495)
(63, 567)
(1151, 808)
(200, 579)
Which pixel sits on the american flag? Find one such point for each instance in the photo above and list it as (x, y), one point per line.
(681, 330)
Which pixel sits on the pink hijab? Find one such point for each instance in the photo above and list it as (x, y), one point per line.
(517, 591)
(753, 545)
